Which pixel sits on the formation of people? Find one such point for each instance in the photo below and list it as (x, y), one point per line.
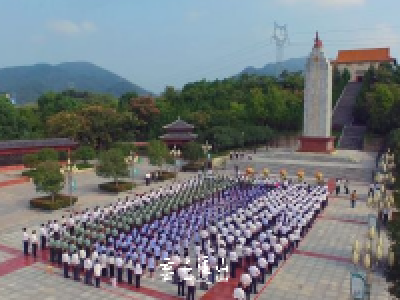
(223, 225)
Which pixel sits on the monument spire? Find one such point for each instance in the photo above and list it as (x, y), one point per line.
(317, 42)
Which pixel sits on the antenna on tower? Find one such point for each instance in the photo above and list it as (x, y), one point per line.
(281, 38)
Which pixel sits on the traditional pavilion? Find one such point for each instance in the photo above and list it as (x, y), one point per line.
(178, 133)
(360, 60)
(12, 151)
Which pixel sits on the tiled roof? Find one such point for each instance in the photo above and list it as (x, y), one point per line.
(364, 55)
(178, 136)
(179, 124)
(20, 144)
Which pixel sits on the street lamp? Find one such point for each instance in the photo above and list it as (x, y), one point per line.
(70, 183)
(175, 154)
(206, 148)
(131, 161)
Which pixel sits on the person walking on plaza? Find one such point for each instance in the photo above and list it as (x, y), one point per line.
(97, 273)
(353, 198)
(65, 261)
(75, 265)
(138, 273)
(147, 178)
(25, 239)
(34, 242)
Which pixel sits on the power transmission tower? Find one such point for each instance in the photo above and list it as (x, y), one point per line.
(281, 38)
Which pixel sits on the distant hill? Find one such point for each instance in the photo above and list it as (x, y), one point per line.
(29, 82)
(291, 65)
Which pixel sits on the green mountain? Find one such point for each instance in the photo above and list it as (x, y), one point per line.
(27, 83)
(291, 65)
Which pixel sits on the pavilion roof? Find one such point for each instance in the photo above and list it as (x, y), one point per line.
(179, 136)
(44, 143)
(363, 55)
(179, 124)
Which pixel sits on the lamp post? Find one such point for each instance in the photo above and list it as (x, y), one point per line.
(69, 170)
(131, 161)
(175, 154)
(206, 148)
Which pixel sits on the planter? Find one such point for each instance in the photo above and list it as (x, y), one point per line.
(112, 187)
(46, 203)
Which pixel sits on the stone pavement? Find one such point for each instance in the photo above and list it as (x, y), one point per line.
(319, 269)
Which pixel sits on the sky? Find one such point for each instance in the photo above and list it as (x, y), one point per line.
(155, 43)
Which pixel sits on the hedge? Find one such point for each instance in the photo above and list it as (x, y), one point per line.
(83, 165)
(163, 175)
(194, 166)
(113, 188)
(46, 203)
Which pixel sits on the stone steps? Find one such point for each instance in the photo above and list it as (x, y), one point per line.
(307, 156)
(343, 113)
(352, 137)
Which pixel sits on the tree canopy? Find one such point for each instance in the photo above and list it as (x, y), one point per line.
(48, 178)
(112, 164)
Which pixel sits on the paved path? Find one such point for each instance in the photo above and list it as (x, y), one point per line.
(319, 269)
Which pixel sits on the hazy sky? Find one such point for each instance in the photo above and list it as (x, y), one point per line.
(155, 43)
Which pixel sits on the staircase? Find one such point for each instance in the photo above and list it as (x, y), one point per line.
(352, 137)
(343, 111)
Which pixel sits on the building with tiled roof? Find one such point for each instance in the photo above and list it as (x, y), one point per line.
(358, 61)
(178, 133)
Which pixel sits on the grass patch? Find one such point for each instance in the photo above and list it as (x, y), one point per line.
(113, 187)
(46, 203)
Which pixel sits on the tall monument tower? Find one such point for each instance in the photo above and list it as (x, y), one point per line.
(317, 103)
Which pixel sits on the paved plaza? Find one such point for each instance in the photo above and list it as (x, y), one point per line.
(319, 269)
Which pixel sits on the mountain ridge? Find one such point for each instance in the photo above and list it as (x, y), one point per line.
(29, 82)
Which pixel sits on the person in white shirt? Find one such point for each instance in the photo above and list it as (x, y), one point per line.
(191, 284)
(82, 257)
(65, 261)
(75, 265)
(111, 264)
(97, 273)
(254, 273)
(238, 293)
(262, 264)
(233, 259)
(103, 261)
(245, 279)
(34, 242)
(88, 270)
(43, 236)
(129, 268)
(138, 273)
(212, 263)
(182, 274)
(119, 263)
(25, 239)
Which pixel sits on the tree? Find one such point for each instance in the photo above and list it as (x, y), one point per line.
(66, 124)
(124, 102)
(157, 152)
(30, 160)
(8, 119)
(84, 153)
(47, 154)
(126, 147)
(48, 178)
(112, 164)
(192, 151)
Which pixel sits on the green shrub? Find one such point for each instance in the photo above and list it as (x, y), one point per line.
(30, 160)
(112, 187)
(45, 203)
(28, 173)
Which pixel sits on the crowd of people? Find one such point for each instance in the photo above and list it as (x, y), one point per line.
(237, 225)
